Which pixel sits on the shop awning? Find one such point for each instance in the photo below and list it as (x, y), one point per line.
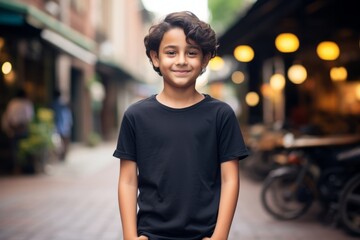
(52, 30)
(312, 20)
(112, 68)
(262, 17)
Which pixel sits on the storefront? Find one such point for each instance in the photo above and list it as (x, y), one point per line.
(46, 54)
(41, 54)
(312, 88)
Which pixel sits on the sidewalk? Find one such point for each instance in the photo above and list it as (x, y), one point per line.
(77, 200)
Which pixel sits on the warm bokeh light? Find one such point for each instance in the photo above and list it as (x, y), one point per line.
(338, 74)
(328, 50)
(266, 90)
(216, 89)
(216, 63)
(357, 92)
(6, 68)
(2, 42)
(277, 81)
(244, 53)
(238, 77)
(252, 99)
(297, 74)
(287, 42)
(9, 78)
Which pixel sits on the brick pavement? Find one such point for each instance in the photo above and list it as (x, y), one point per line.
(77, 200)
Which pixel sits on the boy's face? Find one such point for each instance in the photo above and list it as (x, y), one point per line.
(180, 62)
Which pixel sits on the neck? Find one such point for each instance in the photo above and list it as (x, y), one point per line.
(179, 98)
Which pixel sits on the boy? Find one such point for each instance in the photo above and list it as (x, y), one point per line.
(179, 148)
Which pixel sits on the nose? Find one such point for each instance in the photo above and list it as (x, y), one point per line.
(181, 59)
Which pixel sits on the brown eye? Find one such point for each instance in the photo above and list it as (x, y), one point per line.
(170, 53)
(193, 53)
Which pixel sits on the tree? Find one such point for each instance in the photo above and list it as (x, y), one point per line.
(224, 13)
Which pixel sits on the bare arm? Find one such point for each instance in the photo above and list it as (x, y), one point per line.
(228, 199)
(127, 195)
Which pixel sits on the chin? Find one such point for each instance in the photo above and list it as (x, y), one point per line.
(179, 84)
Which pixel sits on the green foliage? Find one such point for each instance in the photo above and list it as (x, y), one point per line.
(40, 135)
(224, 13)
(97, 92)
(93, 139)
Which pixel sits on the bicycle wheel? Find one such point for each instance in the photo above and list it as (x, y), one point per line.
(259, 165)
(283, 199)
(350, 205)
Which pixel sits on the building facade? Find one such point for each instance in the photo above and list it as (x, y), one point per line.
(90, 50)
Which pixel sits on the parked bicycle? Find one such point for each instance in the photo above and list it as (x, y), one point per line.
(324, 169)
(265, 145)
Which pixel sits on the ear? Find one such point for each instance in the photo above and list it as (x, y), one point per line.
(206, 60)
(154, 58)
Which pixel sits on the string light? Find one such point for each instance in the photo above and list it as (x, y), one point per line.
(328, 50)
(244, 53)
(287, 42)
(297, 74)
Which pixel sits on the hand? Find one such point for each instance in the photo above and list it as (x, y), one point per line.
(206, 238)
(142, 238)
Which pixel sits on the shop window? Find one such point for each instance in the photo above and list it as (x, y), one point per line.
(78, 5)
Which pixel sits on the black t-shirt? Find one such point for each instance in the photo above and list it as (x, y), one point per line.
(178, 153)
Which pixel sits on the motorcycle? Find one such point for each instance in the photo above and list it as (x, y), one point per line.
(316, 168)
(264, 144)
(349, 206)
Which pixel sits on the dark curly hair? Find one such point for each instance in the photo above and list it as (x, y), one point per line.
(195, 29)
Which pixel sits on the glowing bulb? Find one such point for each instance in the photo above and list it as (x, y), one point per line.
(238, 77)
(6, 68)
(244, 53)
(338, 74)
(252, 99)
(328, 50)
(287, 42)
(216, 63)
(277, 81)
(297, 74)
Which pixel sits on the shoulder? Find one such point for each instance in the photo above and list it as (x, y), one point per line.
(140, 106)
(221, 107)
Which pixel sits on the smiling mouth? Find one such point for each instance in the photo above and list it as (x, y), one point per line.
(181, 71)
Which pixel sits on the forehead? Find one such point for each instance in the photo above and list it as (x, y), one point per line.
(176, 37)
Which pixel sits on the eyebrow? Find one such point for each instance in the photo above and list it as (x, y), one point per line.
(170, 46)
(189, 46)
(194, 46)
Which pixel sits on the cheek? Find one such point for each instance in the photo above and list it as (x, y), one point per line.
(196, 63)
(166, 62)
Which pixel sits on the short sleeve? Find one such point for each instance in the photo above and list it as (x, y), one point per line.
(231, 144)
(126, 144)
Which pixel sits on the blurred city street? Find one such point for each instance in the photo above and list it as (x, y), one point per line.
(70, 69)
(77, 199)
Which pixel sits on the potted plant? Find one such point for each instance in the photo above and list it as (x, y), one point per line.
(34, 149)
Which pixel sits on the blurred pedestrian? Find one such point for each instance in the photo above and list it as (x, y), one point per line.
(63, 123)
(16, 119)
(18, 114)
(179, 148)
